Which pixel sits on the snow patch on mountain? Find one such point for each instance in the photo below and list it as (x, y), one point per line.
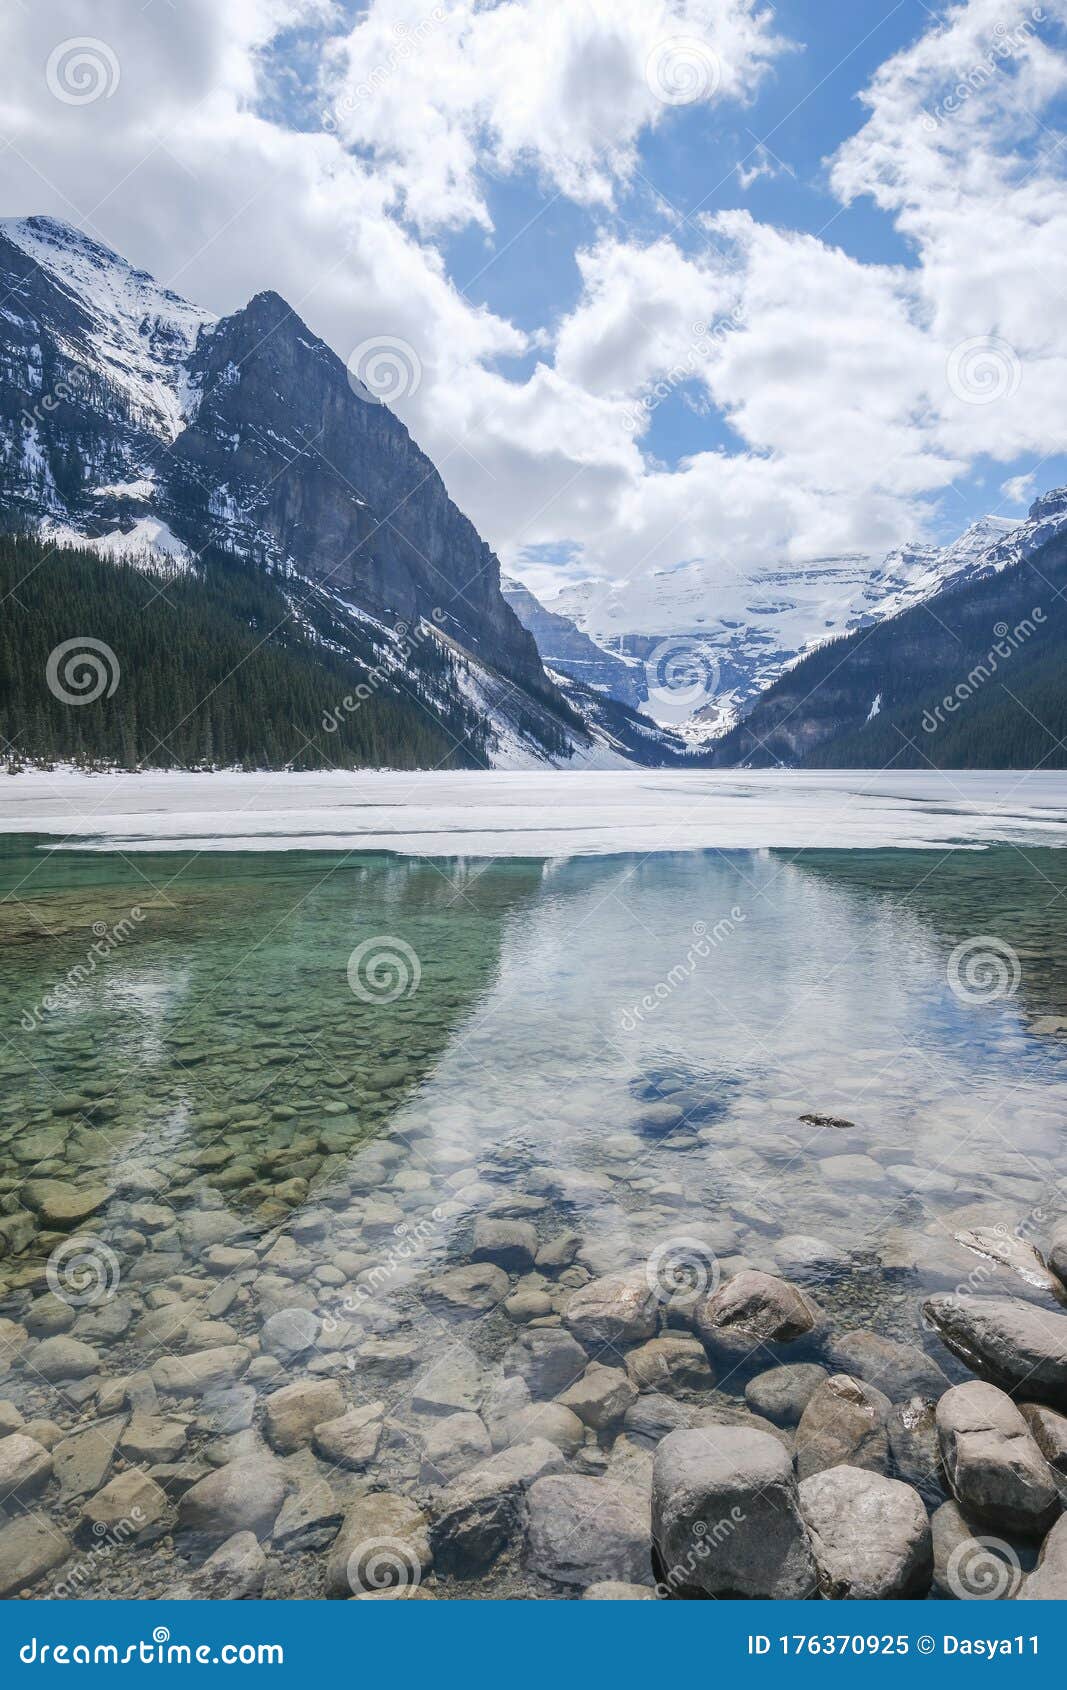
(140, 335)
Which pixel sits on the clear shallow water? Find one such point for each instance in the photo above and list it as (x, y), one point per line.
(625, 1046)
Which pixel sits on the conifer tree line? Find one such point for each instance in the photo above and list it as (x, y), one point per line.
(214, 671)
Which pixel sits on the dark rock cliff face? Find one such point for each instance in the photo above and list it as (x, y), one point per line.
(119, 402)
(304, 470)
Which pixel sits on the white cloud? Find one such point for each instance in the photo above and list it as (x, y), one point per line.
(444, 94)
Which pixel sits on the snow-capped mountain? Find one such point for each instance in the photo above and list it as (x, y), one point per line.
(146, 429)
(740, 634)
(124, 407)
(567, 651)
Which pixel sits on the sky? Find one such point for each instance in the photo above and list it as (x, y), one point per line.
(654, 282)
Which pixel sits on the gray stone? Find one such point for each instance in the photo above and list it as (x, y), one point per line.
(653, 1416)
(725, 1518)
(13, 1341)
(25, 1467)
(998, 1244)
(783, 1393)
(310, 1518)
(1049, 1431)
(548, 1359)
(600, 1397)
(352, 1439)
(844, 1424)
(383, 1543)
(289, 1333)
(193, 1375)
(511, 1244)
(59, 1359)
(612, 1590)
(235, 1572)
(453, 1445)
(558, 1252)
(753, 1310)
(674, 1362)
(1048, 1581)
(582, 1531)
(899, 1370)
(482, 1513)
(995, 1469)
(969, 1565)
(129, 1505)
(83, 1460)
(454, 1383)
(29, 1547)
(869, 1535)
(468, 1291)
(612, 1312)
(151, 1438)
(291, 1415)
(49, 1315)
(60, 1204)
(547, 1420)
(243, 1496)
(1013, 1344)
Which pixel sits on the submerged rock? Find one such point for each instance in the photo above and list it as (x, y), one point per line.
(383, 1544)
(582, 1531)
(615, 1310)
(844, 1424)
(245, 1495)
(726, 1520)
(899, 1370)
(995, 1469)
(235, 1572)
(481, 1514)
(869, 1535)
(1048, 1581)
(753, 1310)
(783, 1393)
(1013, 1344)
(29, 1547)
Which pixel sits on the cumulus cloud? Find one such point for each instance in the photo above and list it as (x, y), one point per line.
(446, 95)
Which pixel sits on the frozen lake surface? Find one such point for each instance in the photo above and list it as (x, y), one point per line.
(551, 813)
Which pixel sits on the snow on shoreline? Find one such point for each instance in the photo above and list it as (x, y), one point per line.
(543, 813)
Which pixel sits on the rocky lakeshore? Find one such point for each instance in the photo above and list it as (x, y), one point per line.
(408, 1375)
